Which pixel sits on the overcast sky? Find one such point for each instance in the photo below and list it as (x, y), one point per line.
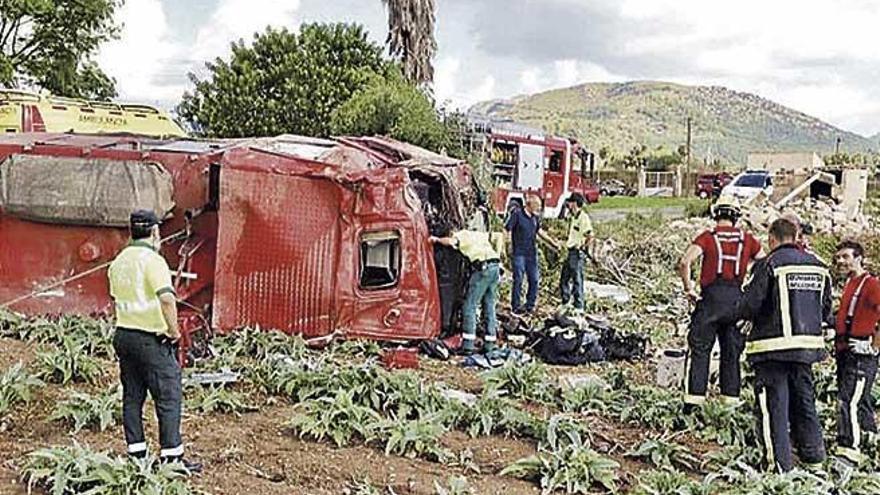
(817, 56)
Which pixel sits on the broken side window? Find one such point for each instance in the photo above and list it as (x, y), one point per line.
(380, 260)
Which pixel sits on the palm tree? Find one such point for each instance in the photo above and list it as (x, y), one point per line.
(411, 37)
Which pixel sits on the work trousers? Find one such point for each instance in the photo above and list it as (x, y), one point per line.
(786, 402)
(482, 289)
(525, 265)
(147, 363)
(712, 319)
(571, 280)
(855, 379)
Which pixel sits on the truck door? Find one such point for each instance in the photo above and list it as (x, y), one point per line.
(554, 179)
(530, 167)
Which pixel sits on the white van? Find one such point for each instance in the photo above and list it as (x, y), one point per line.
(749, 184)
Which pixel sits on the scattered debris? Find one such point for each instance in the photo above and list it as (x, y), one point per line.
(460, 396)
(223, 377)
(671, 368)
(575, 340)
(400, 358)
(571, 382)
(620, 295)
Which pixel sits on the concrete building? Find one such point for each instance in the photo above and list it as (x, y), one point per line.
(784, 161)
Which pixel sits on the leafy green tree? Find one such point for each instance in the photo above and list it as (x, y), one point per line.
(50, 44)
(284, 82)
(395, 107)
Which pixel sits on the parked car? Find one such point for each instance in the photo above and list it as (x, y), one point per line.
(615, 187)
(710, 185)
(749, 184)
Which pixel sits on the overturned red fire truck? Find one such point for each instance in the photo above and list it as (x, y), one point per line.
(308, 236)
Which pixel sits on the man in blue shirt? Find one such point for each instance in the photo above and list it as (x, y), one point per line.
(524, 223)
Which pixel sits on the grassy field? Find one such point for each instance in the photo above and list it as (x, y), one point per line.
(627, 202)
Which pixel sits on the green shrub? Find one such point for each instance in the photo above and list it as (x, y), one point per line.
(668, 482)
(725, 424)
(67, 363)
(97, 412)
(529, 381)
(663, 452)
(94, 336)
(414, 438)
(650, 406)
(217, 399)
(492, 414)
(260, 345)
(16, 386)
(594, 396)
(337, 417)
(78, 470)
(744, 480)
(567, 463)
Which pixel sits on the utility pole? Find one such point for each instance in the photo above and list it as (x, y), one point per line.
(688, 149)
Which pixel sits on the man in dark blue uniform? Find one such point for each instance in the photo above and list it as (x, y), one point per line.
(524, 223)
(787, 300)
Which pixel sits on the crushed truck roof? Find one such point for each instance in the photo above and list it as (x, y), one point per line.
(350, 153)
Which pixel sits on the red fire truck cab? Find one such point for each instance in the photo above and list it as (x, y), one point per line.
(307, 236)
(531, 163)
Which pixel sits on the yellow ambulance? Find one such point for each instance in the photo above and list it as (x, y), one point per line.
(22, 111)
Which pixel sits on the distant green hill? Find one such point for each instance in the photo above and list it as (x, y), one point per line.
(726, 124)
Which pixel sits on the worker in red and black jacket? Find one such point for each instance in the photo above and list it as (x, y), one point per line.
(788, 301)
(856, 347)
(727, 252)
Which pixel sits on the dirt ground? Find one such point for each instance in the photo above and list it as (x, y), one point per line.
(255, 454)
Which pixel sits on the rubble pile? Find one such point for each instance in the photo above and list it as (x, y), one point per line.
(824, 215)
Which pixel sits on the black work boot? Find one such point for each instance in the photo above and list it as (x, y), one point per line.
(191, 466)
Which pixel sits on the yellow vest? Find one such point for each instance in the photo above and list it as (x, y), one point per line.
(579, 228)
(479, 246)
(138, 276)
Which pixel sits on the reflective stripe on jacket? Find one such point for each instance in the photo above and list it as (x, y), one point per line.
(138, 276)
(787, 299)
(579, 228)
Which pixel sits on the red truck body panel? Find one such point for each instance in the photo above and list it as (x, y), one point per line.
(36, 255)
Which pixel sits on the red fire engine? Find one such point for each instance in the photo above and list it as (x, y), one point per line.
(307, 236)
(524, 161)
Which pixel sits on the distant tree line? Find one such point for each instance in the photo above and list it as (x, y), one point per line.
(870, 158)
(658, 159)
